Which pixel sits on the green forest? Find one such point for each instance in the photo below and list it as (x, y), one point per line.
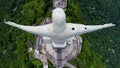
(100, 49)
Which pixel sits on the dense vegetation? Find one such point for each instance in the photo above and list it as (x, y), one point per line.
(106, 42)
(14, 42)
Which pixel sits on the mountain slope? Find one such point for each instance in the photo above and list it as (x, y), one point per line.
(14, 42)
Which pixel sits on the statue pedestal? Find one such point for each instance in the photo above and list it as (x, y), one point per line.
(60, 56)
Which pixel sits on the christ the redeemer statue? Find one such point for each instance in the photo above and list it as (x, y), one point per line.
(59, 30)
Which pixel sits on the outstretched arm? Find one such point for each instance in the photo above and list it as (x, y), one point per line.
(30, 29)
(91, 28)
(40, 30)
(108, 25)
(78, 29)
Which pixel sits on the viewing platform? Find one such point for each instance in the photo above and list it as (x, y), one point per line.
(60, 3)
(58, 57)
